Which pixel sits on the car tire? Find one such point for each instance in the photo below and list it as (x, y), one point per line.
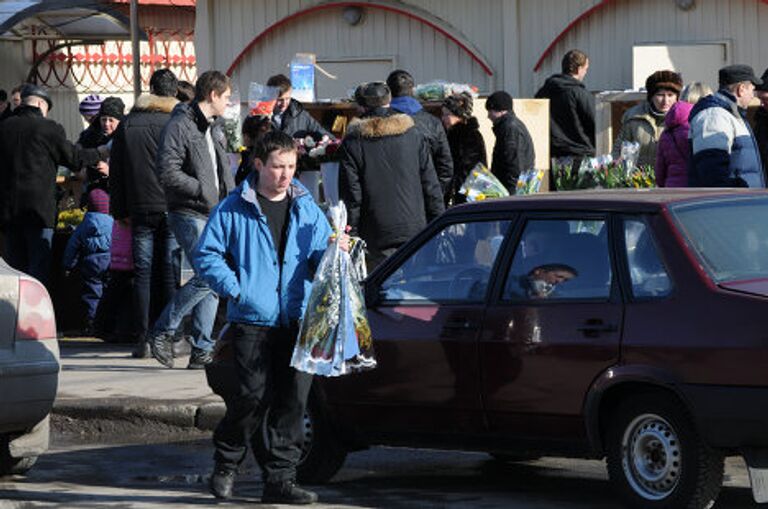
(656, 458)
(323, 454)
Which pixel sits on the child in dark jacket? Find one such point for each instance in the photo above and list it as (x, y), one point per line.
(89, 250)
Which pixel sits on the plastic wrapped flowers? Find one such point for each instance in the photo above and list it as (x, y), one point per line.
(335, 338)
(482, 185)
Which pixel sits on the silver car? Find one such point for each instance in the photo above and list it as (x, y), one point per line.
(29, 369)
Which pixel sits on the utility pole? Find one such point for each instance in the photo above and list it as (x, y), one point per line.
(135, 49)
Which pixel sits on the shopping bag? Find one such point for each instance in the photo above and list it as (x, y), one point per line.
(335, 337)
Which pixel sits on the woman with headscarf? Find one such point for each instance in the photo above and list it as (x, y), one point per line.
(464, 138)
(644, 122)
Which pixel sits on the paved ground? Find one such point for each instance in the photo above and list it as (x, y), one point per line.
(111, 406)
(101, 380)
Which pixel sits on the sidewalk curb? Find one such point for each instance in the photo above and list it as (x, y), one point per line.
(199, 415)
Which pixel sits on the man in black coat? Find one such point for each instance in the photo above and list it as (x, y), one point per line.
(138, 199)
(401, 85)
(193, 170)
(571, 109)
(386, 176)
(513, 151)
(32, 148)
(289, 116)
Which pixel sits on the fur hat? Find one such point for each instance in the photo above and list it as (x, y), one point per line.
(499, 101)
(663, 80)
(764, 86)
(459, 105)
(90, 105)
(112, 107)
(374, 94)
(98, 201)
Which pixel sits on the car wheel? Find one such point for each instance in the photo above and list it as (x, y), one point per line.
(323, 454)
(656, 458)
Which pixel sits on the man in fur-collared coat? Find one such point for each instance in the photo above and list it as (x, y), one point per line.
(138, 199)
(386, 176)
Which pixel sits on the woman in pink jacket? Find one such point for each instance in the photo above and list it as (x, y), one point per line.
(673, 150)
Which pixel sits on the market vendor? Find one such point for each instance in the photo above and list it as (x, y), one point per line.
(260, 250)
(289, 115)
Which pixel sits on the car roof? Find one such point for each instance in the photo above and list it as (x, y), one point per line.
(606, 200)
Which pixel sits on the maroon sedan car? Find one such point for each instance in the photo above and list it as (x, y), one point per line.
(618, 324)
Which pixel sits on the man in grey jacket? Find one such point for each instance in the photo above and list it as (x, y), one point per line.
(193, 171)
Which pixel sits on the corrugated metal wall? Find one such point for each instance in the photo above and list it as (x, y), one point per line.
(415, 46)
(511, 34)
(609, 35)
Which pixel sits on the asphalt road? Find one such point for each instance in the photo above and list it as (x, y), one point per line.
(173, 475)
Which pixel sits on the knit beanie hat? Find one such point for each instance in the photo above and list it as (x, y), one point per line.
(663, 80)
(112, 107)
(90, 105)
(459, 105)
(499, 101)
(98, 201)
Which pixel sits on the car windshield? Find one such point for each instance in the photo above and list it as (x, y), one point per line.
(729, 236)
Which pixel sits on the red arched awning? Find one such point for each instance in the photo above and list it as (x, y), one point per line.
(402, 10)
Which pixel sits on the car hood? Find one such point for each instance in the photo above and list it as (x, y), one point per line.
(752, 286)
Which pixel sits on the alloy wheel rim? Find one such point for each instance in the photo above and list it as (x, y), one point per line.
(651, 456)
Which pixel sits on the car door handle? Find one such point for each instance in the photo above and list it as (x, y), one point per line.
(595, 326)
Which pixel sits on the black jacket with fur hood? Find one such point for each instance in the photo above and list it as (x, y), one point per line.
(184, 165)
(134, 188)
(387, 179)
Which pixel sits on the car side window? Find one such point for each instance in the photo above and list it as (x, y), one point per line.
(453, 266)
(560, 259)
(646, 271)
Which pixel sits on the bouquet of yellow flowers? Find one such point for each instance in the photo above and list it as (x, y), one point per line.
(481, 184)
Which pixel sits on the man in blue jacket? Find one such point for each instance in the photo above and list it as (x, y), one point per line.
(725, 152)
(260, 250)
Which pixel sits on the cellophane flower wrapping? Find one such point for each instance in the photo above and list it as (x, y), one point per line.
(481, 184)
(529, 182)
(335, 337)
(232, 129)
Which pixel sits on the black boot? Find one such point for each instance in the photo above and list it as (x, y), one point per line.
(221, 483)
(287, 492)
(141, 350)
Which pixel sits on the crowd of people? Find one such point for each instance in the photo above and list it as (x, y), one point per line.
(157, 183)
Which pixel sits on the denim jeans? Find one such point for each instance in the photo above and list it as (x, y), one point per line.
(156, 265)
(195, 296)
(265, 380)
(28, 249)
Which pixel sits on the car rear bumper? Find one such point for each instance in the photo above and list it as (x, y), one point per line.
(730, 417)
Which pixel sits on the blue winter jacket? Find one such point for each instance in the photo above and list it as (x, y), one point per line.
(724, 149)
(237, 257)
(88, 247)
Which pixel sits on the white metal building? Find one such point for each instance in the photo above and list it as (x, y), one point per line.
(509, 44)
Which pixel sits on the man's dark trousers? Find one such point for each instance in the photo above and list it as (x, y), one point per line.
(262, 357)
